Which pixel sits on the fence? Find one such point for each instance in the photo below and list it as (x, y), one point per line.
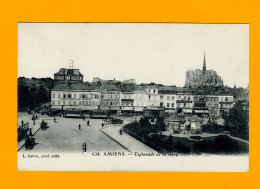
(145, 141)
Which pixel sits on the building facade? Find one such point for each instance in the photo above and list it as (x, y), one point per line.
(110, 101)
(127, 101)
(168, 101)
(225, 103)
(68, 75)
(83, 97)
(152, 96)
(184, 103)
(74, 99)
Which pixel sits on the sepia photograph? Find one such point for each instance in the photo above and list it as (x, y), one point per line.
(133, 97)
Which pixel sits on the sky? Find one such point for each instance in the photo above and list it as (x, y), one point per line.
(146, 52)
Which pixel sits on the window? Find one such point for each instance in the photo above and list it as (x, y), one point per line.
(59, 102)
(59, 95)
(74, 102)
(153, 91)
(161, 97)
(168, 105)
(172, 104)
(64, 95)
(161, 104)
(168, 98)
(83, 96)
(64, 103)
(53, 95)
(53, 102)
(149, 97)
(172, 98)
(69, 95)
(74, 95)
(79, 102)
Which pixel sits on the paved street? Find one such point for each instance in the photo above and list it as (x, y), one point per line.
(65, 136)
(239, 139)
(126, 140)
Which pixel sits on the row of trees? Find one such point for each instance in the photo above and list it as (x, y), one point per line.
(237, 120)
(33, 95)
(148, 133)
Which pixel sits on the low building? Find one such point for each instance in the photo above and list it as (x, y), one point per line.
(153, 111)
(195, 124)
(129, 81)
(174, 123)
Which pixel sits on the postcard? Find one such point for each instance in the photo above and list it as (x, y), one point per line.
(133, 97)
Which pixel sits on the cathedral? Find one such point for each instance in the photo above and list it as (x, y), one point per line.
(204, 77)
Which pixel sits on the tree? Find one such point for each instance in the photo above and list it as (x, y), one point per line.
(237, 120)
(170, 142)
(160, 124)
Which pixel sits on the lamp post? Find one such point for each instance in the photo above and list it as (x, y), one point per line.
(34, 104)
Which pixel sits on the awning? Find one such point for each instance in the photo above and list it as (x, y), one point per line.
(127, 100)
(187, 111)
(201, 111)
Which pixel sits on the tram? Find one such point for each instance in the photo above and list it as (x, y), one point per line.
(99, 114)
(76, 113)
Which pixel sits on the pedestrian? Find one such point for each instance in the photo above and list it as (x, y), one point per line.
(102, 125)
(84, 147)
(36, 116)
(22, 122)
(54, 120)
(30, 132)
(88, 122)
(79, 127)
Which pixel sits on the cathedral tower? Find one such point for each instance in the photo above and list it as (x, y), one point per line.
(204, 70)
(204, 64)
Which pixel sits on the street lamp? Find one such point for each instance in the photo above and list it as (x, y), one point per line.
(34, 104)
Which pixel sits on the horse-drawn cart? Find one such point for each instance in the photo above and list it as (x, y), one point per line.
(44, 125)
(29, 143)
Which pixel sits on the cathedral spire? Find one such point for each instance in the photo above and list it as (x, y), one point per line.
(204, 63)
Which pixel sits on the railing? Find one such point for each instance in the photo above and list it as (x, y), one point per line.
(145, 141)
